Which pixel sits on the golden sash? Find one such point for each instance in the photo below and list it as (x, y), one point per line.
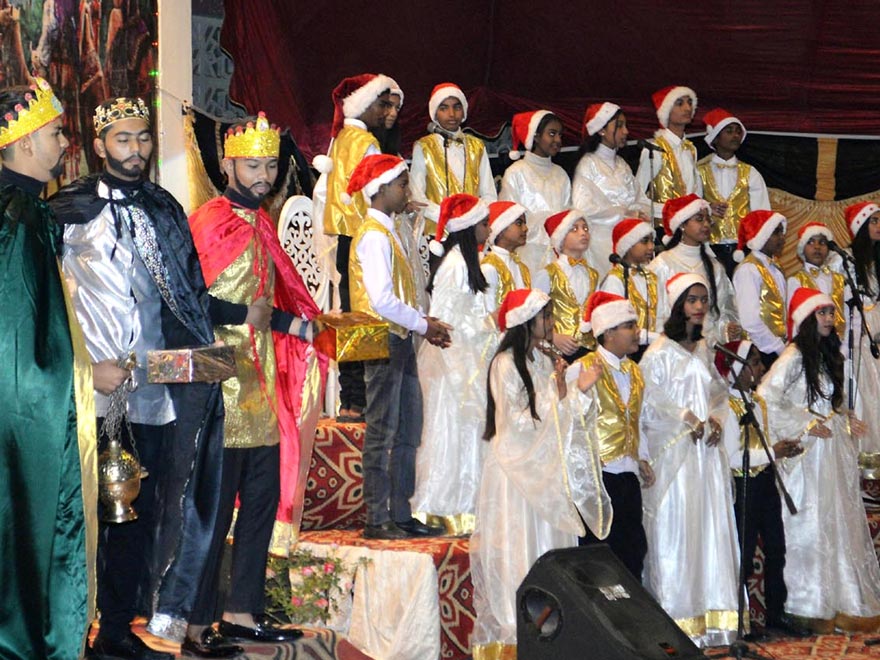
(645, 309)
(348, 149)
(771, 301)
(567, 312)
(726, 228)
(838, 284)
(505, 277)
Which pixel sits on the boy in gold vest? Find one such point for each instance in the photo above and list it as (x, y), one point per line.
(447, 161)
(382, 285)
(731, 187)
(569, 281)
(759, 283)
(618, 395)
(501, 266)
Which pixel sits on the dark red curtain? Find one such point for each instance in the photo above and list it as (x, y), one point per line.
(785, 65)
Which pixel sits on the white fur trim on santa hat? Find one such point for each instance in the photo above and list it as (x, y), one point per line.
(633, 236)
(713, 132)
(529, 139)
(807, 307)
(441, 95)
(678, 284)
(399, 92)
(610, 315)
(760, 239)
(564, 227)
(811, 231)
(322, 163)
(685, 213)
(372, 186)
(602, 117)
(479, 211)
(504, 221)
(669, 100)
(861, 217)
(534, 303)
(356, 103)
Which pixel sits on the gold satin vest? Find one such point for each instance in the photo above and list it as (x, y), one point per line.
(617, 422)
(435, 169)
(771, 301)
(401, 275)
(506, 283)
(645, 309)
(566, 310)
(738, 203)
(668, 182)
(348, 149)
(838, 284)
(739, 409)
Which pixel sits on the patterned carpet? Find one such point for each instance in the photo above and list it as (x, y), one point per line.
(830, 647)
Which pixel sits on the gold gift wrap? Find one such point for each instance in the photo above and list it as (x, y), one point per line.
(359, 336)
(203, 364)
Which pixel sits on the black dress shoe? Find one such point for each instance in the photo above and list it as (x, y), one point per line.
(787, 626)
(387, 530)
(262, 632)
(414, 527)
(211, 645)
(123, 648)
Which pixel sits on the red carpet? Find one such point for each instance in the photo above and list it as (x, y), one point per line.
(830, 647)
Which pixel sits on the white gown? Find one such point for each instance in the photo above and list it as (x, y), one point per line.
(686, 259)
(693, 554)
(605, 190)
(537, 476)
(450, 458)
(543, 188)
(867, 371)
(831, 569)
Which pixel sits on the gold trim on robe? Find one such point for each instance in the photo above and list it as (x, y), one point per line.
(494, 651)
(697, 626)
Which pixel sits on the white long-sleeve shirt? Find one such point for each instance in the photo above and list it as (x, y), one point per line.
(686, 163)
(747, 283)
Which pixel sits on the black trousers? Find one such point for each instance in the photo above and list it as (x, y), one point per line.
(352, 390)
(254, 475)
(125, 550)
(627, 536)
(764, 518)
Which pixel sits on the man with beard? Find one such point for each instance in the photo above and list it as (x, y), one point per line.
(48, 485)
(137, 286)
(262, 308)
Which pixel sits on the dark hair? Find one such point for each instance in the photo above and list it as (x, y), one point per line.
(866, 252)
(546, 119)
(827, 358)
(707, 266)
(517, 340)
(676, 325)
(591, 142)
(466, 239)
(389, 139)
(9, 98)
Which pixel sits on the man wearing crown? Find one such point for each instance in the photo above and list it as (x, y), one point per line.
(260, 306)
(48, 481)
(136, 286)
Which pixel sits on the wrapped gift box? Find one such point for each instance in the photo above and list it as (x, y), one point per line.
(359, 336)
(204, 364)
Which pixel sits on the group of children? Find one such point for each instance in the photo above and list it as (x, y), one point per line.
(590, 366)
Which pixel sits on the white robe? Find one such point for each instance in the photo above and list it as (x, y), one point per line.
(867, 370)
(693, 554)
(537, 476)
(605, 190)
(831, 569)
(450, 458)
(543, 188)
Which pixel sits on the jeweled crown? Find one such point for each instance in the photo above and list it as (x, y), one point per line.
(42, 107)
(109, 112)
(258, 139)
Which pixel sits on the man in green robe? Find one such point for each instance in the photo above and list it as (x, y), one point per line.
(48, 487)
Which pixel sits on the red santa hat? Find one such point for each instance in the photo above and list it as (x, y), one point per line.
(804, 302)
(604, 311)
(727, 367)
(597, 115)
(811, 230)
(681, 282)
(457, 212)
(679, 209)
(755, 230)
(501, 216)
(442, 92)
(371, 173)
(627, 233)
(559, 224)
(716, 119)
(523, 129)
(520, 306)
(858, 214)
(665, 98)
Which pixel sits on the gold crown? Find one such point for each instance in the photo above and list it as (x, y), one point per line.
(109, 112)
(258, 139)
(42, 107)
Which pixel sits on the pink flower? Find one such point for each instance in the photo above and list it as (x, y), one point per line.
(322, 603)
(308, 571)
(296, 601)
(270, 573)
(329, 567)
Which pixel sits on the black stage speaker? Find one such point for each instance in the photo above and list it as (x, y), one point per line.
(583, 603)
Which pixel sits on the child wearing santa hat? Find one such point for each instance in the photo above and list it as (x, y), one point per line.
(673, 171)
(759, 282)
(603, 186)
(537, 490)
(501, 265)
(569, 280)
(534, 181)
(731, 187)
(618, 395)
(448, 161)
(450, 457)
(831, 569)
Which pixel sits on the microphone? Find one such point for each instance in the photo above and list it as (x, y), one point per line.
(644, 144)
(834, 247)
(436, 129)
(718, 346)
